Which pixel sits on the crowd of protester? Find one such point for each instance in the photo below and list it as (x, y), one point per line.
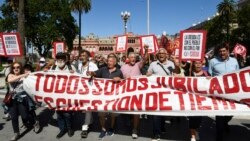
(113, 67)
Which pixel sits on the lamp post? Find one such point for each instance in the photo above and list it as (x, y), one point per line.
(125, 16)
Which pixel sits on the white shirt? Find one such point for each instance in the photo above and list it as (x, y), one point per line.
(90, 67)
(156, 69)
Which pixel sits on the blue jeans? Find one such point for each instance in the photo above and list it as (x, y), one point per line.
(64, 120)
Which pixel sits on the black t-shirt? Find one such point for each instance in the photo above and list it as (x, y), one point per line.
(105, 65)
(104, 73)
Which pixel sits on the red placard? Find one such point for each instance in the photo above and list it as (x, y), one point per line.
(2, 50)
(58, 47)
(192, 45)
(177, 52)
(11, 44)
(149, 40)
(121, 43)
(240, 50)
(156, 44)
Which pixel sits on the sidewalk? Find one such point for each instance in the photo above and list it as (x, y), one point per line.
(2, 87)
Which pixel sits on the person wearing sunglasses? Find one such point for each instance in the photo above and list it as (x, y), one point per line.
(19, 104)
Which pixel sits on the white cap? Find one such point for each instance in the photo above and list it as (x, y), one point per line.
(42, 59)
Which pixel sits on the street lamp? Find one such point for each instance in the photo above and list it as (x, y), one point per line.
(125, 16)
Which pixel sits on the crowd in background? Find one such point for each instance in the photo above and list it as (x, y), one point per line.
(116, 67)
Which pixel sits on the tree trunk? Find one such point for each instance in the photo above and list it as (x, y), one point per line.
(21, 28)
(80, 26)
(228, 28)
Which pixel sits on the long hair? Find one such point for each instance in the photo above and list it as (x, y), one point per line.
(12, 67)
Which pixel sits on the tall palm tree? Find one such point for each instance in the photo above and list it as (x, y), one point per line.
(80, 6)
(226, 8)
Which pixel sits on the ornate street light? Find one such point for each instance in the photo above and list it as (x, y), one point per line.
(125, 16)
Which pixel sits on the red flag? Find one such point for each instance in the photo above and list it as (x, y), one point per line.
(240, 50)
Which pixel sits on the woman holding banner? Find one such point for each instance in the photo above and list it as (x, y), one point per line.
(195, 121)
(19, 98)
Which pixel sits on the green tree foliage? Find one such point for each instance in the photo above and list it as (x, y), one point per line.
(215, 33)
(45, 22)
(219, 29)
(242, 33)
(226, 10)
(8, 21)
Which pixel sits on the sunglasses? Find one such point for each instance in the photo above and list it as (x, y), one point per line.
(18, 67)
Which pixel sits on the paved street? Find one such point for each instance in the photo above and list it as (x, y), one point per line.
(178, 131)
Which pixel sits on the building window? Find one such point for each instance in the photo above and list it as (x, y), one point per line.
(131, 40)
(100, 48)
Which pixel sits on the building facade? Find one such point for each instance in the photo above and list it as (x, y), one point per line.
(107, 45)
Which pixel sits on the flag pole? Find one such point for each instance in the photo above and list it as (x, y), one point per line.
(148, 16)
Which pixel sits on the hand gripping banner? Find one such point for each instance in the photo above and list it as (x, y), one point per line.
(155, 95)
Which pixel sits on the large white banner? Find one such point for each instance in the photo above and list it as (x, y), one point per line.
(156, 95)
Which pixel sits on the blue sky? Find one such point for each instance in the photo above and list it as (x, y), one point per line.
(165, 15)
(171, 16)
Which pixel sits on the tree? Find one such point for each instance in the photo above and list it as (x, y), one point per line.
(226, 10)
(44, 23)
(21, 22)
(215, 32)
(8, 21)
(242, 33)
(80, 6)
(48, 23)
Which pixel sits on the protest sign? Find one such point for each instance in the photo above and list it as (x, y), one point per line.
(192, 44)
(58, 47)
(156, 95)
(149, 40)
(121, 43)
(176, 52)
(177, 47)
(2, 50)
(240, 50)
(11, 44)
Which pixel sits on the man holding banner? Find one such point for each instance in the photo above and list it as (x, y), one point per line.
(64, 118)
(85, 66)
(220, 65)
(130, 70)
(162, 67)
(110, 72)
